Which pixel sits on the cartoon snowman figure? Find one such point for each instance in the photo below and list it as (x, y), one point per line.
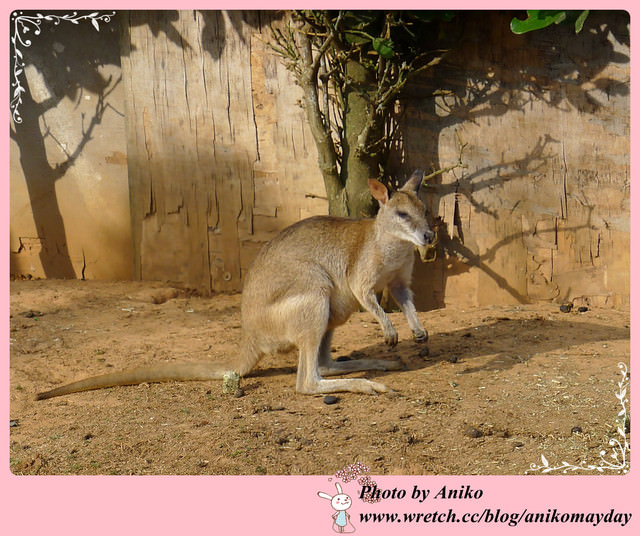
(340, 502)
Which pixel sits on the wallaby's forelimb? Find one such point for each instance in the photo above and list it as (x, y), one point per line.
(370, 302)
(404, 298)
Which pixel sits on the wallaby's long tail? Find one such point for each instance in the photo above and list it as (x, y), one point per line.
(150, 374)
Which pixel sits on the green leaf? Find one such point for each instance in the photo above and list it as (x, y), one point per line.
(384, 47)
(580, 20)
(424, 16)
(356, 38)
(536, 20)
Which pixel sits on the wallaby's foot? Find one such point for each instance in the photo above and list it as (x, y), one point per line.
(353, 365)
(420, 335)
(391, 337)
(349, 385)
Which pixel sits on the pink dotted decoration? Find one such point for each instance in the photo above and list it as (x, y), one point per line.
(352, 471)
(358, 471)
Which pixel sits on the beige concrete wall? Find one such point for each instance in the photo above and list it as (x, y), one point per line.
(542, 210)
(69, 197)
(220, 157)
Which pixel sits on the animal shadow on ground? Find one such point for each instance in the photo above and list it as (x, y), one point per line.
(506, 342)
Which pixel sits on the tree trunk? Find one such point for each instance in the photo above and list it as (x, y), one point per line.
(358, 166)
(327, 158)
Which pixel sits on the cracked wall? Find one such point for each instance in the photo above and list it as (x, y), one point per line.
(69, 206)
(220, 158)
(542, 212)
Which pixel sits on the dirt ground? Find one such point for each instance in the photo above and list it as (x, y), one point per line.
(500, 388)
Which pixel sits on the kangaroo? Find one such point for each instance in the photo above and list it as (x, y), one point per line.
(303, 284)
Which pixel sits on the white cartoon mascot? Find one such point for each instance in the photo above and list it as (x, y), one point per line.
(340, 502)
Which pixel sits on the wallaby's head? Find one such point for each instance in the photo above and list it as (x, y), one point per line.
(402, 214)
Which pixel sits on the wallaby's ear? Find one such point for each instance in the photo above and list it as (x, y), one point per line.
(414, 182)
(379, 191)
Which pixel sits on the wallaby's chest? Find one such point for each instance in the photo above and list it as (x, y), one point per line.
(387, 274)
(394, 259)
(383, 265)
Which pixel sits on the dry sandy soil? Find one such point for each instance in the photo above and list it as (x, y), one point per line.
(500, 388)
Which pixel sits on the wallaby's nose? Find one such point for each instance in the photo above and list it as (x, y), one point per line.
(429, 236)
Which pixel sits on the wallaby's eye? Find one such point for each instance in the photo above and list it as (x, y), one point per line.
(402, 214)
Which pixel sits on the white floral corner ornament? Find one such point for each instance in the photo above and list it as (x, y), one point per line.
(22, 25)
(620, 445)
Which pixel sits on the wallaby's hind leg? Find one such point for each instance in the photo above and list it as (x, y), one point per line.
(329, 367)
(248, 358)
(310, 382)
(311, 341)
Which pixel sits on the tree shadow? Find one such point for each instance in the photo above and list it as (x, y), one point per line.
(214, 31)
(68, 57)
(477, 79)
(69, 70)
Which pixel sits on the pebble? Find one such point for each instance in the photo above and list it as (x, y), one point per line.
(330, 399)
(239, 393)
(424, 352)
(583, 309)
(566, 308)
(473, 432)
(31, 314)
(576, 430)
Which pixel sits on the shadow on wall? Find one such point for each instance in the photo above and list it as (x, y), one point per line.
(69, 69)
(213, 31)
(491, 73)
(68, 52)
